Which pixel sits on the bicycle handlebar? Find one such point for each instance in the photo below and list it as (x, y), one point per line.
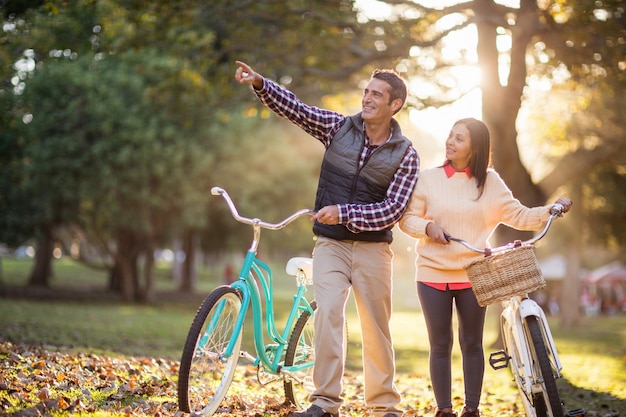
(255, 221)
(555, 211)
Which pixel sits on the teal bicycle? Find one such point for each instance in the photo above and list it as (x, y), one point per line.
(213, 345)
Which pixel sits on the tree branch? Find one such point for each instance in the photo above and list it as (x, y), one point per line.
(572, 166)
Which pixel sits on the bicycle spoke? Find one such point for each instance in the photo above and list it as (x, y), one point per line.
(206, 369)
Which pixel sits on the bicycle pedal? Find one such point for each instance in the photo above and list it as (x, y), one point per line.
(579, 412)
(499, 360)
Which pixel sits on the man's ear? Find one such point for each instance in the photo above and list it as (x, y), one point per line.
(396, 104)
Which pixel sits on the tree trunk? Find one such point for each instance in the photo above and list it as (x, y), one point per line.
(115, 278)
(188, 273)
(42, 268)
(127, 288)
(501, 105)
(124, 275)
(570, 290)
(176, 273)
(148, 293)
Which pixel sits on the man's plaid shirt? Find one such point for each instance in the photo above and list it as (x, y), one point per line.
(323, 125)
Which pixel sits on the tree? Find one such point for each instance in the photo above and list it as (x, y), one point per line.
(578, 40)
(26, 27)
(160, 58)
(547, 39)
(580, 117)
(103, 157)
(182, 54)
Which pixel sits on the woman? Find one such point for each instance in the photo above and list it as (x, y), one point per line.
(466, 199)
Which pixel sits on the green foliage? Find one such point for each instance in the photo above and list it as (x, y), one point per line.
(15, 223)
(604, 191)
(131, 103)
(19, 6)
(270, 171)
(100, 154)
(591, 39)
(584, 119)
(135, 114)
(50, 28)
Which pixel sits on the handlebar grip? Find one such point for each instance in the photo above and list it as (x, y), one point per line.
(557, 210)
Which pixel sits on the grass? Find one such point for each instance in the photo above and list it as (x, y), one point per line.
(593, 354)
(68, 273)
(134, 330)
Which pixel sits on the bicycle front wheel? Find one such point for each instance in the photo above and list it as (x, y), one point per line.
(547, 403)
(205, 372)
(300, 351)
(513, 351)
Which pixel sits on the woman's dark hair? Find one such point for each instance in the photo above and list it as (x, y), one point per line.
(398, 86)
(480, 159)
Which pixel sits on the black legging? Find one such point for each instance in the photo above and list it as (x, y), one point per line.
(437, 309)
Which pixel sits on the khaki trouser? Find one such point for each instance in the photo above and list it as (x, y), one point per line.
(366, 267)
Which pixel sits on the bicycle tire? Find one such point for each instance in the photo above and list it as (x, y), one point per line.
(204, 376)
(550, 400)
(300, 349)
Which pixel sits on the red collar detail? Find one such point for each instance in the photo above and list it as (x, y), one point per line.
(450, 171)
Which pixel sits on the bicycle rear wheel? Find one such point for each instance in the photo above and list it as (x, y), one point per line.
(300, 350)
(547, 403)
(205, 373)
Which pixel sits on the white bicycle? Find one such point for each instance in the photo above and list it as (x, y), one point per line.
(507, 274)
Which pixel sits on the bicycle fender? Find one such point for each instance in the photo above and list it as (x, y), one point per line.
(529, 307)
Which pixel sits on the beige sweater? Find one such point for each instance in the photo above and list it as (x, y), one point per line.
(451, 203)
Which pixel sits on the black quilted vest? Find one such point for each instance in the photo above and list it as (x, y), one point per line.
(341, 181)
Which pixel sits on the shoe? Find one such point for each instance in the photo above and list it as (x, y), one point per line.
(313, 411)
(472, 413)
(441, 413)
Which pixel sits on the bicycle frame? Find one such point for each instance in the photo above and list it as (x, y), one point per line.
(213, 345)
(248, 288)
(512, 321)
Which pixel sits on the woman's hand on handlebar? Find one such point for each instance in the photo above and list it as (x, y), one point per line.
(437, 233)
(565, 202)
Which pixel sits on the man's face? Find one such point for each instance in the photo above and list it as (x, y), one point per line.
(375, 102)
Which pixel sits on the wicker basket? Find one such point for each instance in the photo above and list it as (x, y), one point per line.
(506, 274)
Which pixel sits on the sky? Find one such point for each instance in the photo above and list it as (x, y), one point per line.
(438, 122)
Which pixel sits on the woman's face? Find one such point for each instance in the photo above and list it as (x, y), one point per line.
(459, 147)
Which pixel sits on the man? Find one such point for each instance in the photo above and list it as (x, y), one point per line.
(367, 176)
